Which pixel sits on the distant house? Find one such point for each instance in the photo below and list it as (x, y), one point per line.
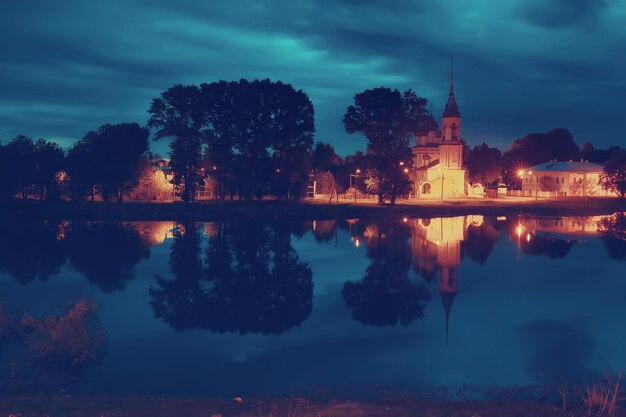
(567, 179)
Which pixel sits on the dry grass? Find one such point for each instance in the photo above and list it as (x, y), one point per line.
(602, 398)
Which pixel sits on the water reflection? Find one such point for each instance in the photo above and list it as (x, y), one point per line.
(246, 277)
(106, 253)
(613, 235)
(386, 296)
(374, 277)
(249, 279)
(31, 250)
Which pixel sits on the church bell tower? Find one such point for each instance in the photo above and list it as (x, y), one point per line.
(451, 148)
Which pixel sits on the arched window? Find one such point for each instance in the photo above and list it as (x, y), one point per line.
(426, 188)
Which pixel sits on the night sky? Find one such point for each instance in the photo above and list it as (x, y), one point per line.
(521, 66)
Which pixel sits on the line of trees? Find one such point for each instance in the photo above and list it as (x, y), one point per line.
(256, 135)
(108, 158)
(255, 138)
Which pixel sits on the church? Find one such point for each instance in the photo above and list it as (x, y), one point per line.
(438, 156)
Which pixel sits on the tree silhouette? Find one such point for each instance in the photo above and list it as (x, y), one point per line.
(253, 282)
(109, 157)
(259, 134)
(388, 119)
(49, 161)
(536, 148)
(613, 235)
(484, 164)
(179, 115)
(386, 296)
(614, 176)
(106, 253)
(31, 250)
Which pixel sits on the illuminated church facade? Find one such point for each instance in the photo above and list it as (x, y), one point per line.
(438, 156)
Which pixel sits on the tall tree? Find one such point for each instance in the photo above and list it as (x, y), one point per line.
(388, 119)
(179, 115)
(49, 160)
(109, 157)
(18, 167)
(537, 148)
(484, 164)
(259, 134)
(613, 177)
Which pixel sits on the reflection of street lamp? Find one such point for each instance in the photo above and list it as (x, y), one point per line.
(443, 177)
(355, 175)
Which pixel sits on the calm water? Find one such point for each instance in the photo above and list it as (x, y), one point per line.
(240, 309)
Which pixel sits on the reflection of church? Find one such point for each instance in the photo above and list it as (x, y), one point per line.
(436, 250)
(438, 156)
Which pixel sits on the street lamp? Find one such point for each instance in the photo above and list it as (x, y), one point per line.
(443, 178)
(521, 173)
(355, 175)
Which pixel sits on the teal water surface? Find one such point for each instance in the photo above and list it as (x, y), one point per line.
(290, 307)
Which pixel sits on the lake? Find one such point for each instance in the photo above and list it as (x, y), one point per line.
(310, 308)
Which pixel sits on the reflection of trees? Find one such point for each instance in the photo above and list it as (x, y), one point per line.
(547, 245)
(68, 342)
(106, 253)
(386, 296)
(480, 242)
(30, 250)
(324, 230)
(613, 235)
(252, 281)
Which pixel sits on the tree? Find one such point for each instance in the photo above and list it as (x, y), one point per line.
(179, 115)
(48, 159)
(152, 183)
(536, 148)
(589, 153)
(324, 157)
(613, 177)
(547, 183)
(387, 119)
(18, 167)
(260, 133)
(484, 164)
(109, 157)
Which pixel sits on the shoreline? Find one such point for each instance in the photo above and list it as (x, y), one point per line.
(54, 405)
(305, 210)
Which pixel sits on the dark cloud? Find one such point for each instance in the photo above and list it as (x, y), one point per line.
(558, 13)
(69, 66)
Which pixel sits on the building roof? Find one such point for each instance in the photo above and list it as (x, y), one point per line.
(452, 109)
(570, 166)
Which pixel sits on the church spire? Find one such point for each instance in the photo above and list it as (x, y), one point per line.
(451, 75)
(451, 108)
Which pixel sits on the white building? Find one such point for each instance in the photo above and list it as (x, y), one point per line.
(563, 179)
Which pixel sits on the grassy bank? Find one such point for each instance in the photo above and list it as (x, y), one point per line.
(215, 210)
